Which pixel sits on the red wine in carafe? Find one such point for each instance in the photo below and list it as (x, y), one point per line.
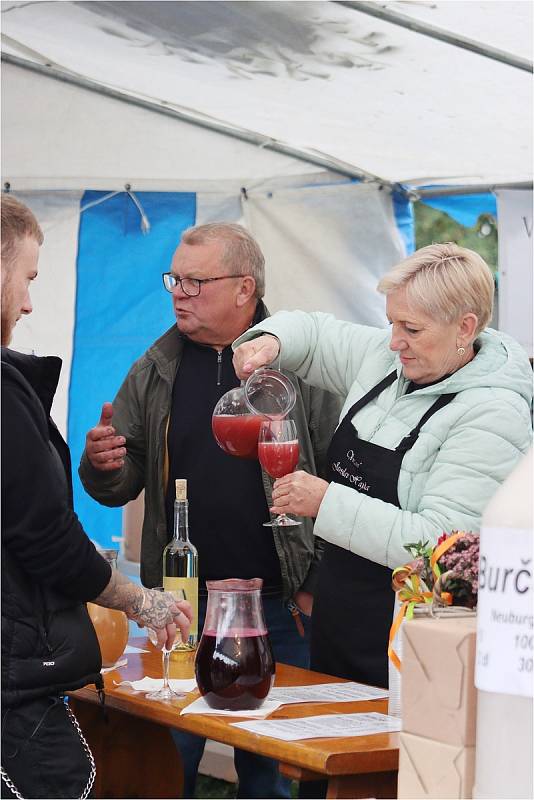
(235, 671)
(237, 435)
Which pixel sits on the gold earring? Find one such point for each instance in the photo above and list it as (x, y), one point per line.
(461, 351)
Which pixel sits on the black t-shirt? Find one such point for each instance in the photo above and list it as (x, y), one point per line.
(413, 387)
(227, 504)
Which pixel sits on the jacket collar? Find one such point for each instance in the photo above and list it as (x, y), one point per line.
(169, 346)
(41, 372)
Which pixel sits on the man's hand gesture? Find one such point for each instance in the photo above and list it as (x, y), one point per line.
(104, 449)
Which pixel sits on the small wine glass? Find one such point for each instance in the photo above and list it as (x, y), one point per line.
(166, 693)
(278, 453)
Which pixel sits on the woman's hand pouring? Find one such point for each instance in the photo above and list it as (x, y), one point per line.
(255, 354)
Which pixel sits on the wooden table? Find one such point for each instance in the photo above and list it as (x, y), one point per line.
(136, 756)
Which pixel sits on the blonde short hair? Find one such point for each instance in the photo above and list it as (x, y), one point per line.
(446, 281)
(241, 252)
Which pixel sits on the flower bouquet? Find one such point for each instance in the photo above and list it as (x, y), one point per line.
(439, 576)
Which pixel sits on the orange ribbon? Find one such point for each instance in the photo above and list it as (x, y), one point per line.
(411, 596)
(440, 549)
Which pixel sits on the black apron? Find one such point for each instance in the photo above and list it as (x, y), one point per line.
(353, 609)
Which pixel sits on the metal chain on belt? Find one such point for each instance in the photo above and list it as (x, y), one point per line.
(92, 775)
(7, 780)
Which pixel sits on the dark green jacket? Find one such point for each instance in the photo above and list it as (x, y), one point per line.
(140, 413)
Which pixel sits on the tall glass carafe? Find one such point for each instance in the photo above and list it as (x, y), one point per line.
(111, 626)
(234, 665)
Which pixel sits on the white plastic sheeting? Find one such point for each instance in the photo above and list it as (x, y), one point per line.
(57, 136)
(316, 75)
(48, 330)
(326, 250)
(515, 265)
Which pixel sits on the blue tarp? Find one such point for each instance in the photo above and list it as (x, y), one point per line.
(404, 217)
(464, 208)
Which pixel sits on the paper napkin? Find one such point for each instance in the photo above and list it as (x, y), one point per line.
(117, 665)
(200, 706)
(153, 684)
(131, 649)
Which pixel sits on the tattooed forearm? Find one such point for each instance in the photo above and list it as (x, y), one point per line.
(147, 606)
(122, 594)
(155, 611)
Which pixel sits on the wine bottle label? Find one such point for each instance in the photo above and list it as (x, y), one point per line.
(505, 642)
(189, 587)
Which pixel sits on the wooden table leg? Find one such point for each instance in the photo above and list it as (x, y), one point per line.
(134, 758)
(367, 784)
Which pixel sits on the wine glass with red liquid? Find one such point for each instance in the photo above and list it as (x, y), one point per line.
(278, 453)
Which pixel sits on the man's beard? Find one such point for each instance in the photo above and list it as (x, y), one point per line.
(7, 320)
(7, 330)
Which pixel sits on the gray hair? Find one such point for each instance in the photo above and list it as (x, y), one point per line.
(241, 252)
(446, 281)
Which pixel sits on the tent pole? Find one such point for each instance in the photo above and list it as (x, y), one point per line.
(227, 129)
(448, 191)
(379, 10)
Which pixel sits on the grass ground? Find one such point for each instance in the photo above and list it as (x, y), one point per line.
(212, 788)
(208, 788)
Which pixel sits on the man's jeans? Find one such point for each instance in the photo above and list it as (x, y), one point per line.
(258, 776)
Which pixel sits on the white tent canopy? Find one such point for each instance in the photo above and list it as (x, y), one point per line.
(253, 112)
(353, 92)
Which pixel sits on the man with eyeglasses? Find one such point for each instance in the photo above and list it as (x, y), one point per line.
(159, 429)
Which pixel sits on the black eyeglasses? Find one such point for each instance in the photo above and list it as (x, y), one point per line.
(190, 286)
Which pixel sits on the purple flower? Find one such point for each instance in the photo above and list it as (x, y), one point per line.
(462, 560)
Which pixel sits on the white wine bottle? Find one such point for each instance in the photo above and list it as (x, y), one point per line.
(180, 562)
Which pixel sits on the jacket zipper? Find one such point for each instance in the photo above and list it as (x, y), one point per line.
(219, 367)
(385, 417)
(378, 426)
(381, 422)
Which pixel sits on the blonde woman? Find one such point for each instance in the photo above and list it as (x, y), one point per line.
(436, 415)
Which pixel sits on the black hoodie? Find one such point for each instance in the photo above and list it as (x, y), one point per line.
(50, 568)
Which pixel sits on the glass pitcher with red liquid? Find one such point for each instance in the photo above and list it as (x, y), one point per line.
(236, 420)
(234, 664)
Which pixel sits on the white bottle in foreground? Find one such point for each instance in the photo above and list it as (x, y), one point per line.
(504, 668)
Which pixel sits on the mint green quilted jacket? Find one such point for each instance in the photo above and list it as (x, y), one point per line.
(463, 452)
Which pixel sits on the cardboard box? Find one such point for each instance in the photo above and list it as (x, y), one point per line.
(437, 684)
(429, 769)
